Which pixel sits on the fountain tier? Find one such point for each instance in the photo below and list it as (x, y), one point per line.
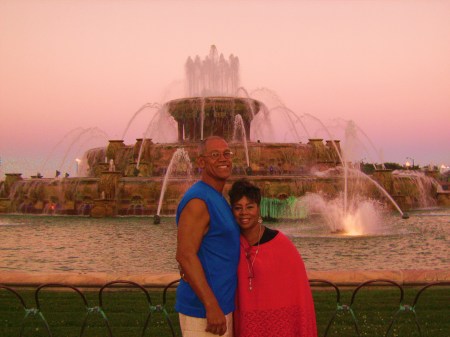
(200, 117)
(285, 172)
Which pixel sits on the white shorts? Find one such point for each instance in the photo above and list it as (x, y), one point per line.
(195, 327)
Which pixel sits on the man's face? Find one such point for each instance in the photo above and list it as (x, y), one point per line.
(216, 168)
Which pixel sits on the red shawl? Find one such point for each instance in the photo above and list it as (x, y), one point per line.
(280, 303)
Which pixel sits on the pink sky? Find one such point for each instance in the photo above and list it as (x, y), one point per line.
(65, 64)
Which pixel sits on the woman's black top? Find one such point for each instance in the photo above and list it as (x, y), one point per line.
(268, 235)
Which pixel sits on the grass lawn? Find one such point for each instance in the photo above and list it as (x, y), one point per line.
(126, 312)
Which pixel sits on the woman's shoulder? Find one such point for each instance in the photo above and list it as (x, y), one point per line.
(268, 235)
(284, 241)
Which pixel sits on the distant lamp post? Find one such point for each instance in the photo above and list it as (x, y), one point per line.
(361, 163)
(78, 161)
(408, 164)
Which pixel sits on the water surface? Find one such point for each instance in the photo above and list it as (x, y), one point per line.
(134, 245)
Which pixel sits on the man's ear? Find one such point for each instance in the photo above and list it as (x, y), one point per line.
(200, 162)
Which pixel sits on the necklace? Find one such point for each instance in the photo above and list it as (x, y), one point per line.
(250, 261)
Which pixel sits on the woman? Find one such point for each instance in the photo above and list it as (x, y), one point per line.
(273, 296)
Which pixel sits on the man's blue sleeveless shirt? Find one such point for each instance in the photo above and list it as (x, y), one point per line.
(218, 253)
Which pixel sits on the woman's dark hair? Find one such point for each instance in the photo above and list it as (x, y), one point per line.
(244, 188)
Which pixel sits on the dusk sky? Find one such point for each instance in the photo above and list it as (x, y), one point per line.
(67, 67)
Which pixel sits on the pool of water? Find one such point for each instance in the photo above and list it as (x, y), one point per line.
(134, 245)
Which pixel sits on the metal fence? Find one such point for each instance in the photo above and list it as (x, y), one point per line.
(160, 308)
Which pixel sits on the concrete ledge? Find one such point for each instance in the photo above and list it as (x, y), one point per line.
(83, 279)
(403, 277)
(339, 277)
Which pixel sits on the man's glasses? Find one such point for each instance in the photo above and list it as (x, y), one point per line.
(216, 155)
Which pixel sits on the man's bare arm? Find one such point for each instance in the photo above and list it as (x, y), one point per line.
(193, 224)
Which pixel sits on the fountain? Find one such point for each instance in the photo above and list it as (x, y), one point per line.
(239, 126)
(179, 158)
(298, 179)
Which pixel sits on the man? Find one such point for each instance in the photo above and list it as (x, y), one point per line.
(207, 248)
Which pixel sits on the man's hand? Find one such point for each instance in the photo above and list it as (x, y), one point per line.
(216, 321)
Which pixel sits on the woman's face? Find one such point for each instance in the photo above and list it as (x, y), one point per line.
(246, 212)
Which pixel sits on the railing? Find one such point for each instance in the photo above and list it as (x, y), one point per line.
(36, 311)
